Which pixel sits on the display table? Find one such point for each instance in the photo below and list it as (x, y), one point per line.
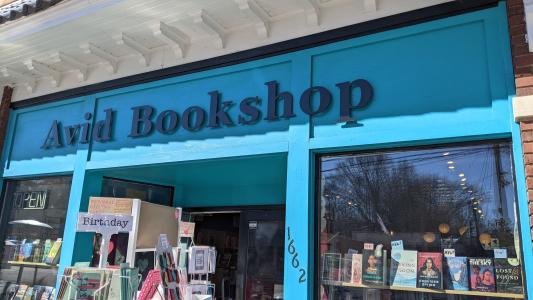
(25, 264)
(422, 290)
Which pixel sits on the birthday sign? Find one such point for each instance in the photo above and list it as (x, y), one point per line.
(104, 223)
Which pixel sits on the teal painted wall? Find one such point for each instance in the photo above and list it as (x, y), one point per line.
(443, 81)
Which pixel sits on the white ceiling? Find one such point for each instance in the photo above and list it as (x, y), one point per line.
(81, 42)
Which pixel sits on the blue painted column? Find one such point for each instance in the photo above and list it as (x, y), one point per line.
(298, 229)
(74, 202)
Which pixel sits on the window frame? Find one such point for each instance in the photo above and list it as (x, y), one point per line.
(370, 150)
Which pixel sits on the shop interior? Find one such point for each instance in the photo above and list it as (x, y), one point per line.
(237, 206)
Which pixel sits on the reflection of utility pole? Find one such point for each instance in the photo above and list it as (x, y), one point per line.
(500, 182)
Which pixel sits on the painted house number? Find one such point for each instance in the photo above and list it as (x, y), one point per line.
(295, 262)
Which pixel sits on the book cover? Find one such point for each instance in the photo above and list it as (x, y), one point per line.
(12, 291)
(404, 268)
(457, 273)
(54, 251)
(357, 268)
(482, 274)
(373, 266)
(29, 294)
(429, 274)
(21, 292)
(47, 294)
(508, 275)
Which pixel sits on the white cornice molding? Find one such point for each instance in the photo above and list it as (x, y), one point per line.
(101, 40)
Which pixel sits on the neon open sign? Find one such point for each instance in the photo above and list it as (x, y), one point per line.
(30, 200)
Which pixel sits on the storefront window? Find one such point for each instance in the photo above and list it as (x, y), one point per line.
(118, 188)
(435, 223)
(32, 222)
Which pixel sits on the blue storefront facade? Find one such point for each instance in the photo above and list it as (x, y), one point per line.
(251, 134)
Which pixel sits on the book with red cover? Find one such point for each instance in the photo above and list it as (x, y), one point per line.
(429, 270)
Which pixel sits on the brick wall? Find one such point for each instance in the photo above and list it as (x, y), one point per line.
(523, 72)
(4, 114)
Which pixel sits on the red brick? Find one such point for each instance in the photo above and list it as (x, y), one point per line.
(529, 170)
(516, 20)
(517, 30)
(523, 70)
(527, 136)
(520, 49)
(524, 91)
(527, 147)
(529, 181)
(515, 10)
(515, 3)
(524, 81)
(530, 200)
(528, 159)
(523, 60)
(526, 125)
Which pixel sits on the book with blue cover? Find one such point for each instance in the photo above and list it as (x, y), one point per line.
(457, 276)
(403, 268)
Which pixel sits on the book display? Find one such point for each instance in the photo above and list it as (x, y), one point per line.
(428, 272)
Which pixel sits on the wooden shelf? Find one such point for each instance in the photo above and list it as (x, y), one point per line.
(31, 264)
(420, 290)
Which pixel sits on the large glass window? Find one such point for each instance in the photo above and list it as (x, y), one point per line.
(436, 223)
(32, 222)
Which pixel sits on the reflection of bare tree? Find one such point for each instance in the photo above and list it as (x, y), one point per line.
(371, 194)
(382, 193)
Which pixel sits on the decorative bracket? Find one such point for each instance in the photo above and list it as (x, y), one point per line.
(124, 39)
(28, 81)
(371, 5)
(44, 70)
(212, 27)
(110, 60)
(81, 69)
(261, 17)
(312, 12)
(172, 36)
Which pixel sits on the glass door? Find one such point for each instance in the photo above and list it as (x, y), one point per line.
(261, 262)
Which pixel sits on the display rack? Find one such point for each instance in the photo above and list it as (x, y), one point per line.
(25, 264)
(72, 291)
(421, 290)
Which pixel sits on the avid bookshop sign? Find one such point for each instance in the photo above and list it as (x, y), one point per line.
(313, 101)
